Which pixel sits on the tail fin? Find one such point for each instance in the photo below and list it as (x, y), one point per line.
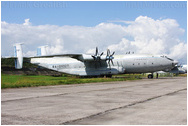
(41, 51)
(19, 55)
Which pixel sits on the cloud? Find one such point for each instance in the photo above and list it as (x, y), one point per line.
(143, 35)
(179, 51)
(27, 22)
(154, 36)
(122, 21)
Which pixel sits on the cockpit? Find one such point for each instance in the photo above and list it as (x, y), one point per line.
(167, 58)
(174, 62)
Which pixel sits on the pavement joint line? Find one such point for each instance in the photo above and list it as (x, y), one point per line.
(80, 92)
(125, 106)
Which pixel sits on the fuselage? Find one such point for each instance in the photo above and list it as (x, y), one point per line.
(122, 64)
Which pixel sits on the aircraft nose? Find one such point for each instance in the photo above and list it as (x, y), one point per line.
(175, 62)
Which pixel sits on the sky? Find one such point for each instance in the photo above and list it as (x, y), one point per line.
(154, 27)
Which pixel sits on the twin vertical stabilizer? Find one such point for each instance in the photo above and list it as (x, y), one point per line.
(19, 55)
(42, 51)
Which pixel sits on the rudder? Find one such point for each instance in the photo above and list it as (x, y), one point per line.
(19, 55)
(42, 51)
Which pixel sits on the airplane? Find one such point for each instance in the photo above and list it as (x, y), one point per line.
(184, 67)
(97, 64)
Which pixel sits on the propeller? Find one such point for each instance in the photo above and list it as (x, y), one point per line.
(110, 57)
(97, 57)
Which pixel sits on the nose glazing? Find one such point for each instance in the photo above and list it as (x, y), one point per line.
(175, 62)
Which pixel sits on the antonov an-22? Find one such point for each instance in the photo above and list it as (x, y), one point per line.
(97, 64)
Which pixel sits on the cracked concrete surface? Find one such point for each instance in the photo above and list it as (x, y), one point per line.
(146, 101)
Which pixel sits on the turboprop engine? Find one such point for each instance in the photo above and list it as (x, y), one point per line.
(100, 57)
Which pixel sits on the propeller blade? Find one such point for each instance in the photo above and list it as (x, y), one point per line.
(112, 53)
(109, 63)
(93, 57)
(112, 62)
(101, 54)
(96, 51)
(108, 52)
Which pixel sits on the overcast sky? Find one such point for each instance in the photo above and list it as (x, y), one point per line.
(78, 27)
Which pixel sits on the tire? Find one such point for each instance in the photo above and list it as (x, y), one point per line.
(150, 76)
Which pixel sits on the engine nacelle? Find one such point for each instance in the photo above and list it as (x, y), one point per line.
(87, 57)
(90, 58)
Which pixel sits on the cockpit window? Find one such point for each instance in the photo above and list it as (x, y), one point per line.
(167, 58)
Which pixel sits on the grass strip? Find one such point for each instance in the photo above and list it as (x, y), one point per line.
(17, 81)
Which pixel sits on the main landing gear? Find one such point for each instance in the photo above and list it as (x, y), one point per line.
(150, 76)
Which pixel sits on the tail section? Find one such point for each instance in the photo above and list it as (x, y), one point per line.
(19, 55)
(41, 51)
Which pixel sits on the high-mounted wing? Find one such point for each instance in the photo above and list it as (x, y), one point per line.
(18, 56)
(76, 56)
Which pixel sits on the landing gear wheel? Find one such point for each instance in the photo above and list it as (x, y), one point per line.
(150, 76)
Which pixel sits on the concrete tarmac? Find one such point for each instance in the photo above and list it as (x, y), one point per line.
(141, 102)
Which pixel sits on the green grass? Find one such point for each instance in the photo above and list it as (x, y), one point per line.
(17, 81)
